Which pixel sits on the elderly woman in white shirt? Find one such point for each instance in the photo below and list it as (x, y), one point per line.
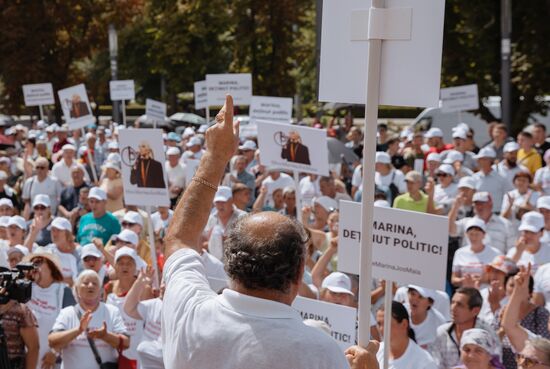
(89, 322)
(520, 200)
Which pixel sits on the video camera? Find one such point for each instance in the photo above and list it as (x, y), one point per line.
(15, 285)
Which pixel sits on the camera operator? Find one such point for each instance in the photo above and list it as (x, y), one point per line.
(18, 335)
(49, 296)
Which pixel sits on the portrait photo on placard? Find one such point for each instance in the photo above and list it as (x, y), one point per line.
(76, 106)
(142, 156)
(293, 148)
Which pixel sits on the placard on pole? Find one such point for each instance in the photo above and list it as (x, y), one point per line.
(363, 48)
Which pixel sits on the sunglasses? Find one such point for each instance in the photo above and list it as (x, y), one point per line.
(90, 258)
(528, 362)
(443, 175)
(41, 167)
(127, 224)
(40, 207)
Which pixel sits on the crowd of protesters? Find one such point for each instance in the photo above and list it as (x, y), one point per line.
(96, 299)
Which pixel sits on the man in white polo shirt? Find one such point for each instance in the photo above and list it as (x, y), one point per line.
(509, 167)
(488, 179)
(62, 169)
(251, 325)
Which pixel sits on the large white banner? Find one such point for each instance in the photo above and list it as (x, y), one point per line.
(76, 106)
(409, 247)
(144, 178)
(271, 109)
(459, 98)
(122, 90)
(238, 85)
(293, 148)
(341, 319)
(409, 69)
(201, 95)
(38, 94)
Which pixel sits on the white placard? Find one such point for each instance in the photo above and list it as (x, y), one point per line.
(76, 106)
(410, 70)
(201, 95)
(155, 110)
(271, 109)
(409, 247)
(238, 85)
(460, 98)
(38, 94)
(122, 90)
(143, 175)
(341, 319)
(293, 148)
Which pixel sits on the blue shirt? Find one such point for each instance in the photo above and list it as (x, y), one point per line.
(103, 228)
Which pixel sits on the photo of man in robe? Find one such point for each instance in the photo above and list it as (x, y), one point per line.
(294, 150)
(147, 172)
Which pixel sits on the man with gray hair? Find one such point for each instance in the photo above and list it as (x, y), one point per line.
(251, 324)
(41, 183)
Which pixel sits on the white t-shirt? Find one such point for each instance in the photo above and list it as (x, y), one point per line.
(466, 261)
(159, 223)
(201, 329)
(384, 181)
(134, 327)
(537, 259)
(309, 190)
(150, 311)
(271, 184)
(176, 176)
(62, 172)
(542, 283)
(542, 177)
(45, 304)
(444, 197)
(49, 186)
(414, 357)
(78, 354)
(69, 267)
(519, 200)
(425, 332)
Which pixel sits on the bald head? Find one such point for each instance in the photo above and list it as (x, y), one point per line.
(265, 251)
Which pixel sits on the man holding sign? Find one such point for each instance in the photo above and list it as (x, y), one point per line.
(265, 261)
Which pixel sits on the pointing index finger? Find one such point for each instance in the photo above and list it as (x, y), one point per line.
(228, 112)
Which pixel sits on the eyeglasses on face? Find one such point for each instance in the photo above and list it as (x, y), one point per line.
(40, 167)
(528, 362)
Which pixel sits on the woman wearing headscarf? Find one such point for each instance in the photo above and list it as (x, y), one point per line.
(478, 350)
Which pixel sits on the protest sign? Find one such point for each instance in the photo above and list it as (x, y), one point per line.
(408, 247)
(201, 97)
(341, 319)
(76, 107)
(122, 90)
(238, 85)
(38, 94)
(155, 110)
(343, 69)
(143, 174)
(271, 109)
(293, 148)
(460, 98)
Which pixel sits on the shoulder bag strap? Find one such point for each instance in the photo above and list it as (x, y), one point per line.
(90, 341)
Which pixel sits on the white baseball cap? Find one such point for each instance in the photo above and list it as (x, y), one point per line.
(460, 133)
(476, 223)
(337, 282)
(434, 132)
(115, 165)
(4, 220)
(128, 236)
(328, 203)
(424, 292)
(447, 169)
(68, 147)
(194, 141)
(188, 132)
(532, 221)
(543, 202)
(468, 182)
(18, 248)
(133, 217)
(223, 194)
(486, 152)
(62, 224)
(113, 145)
(511, 147)
(18, 221)
(6, 202)
(454, 155)
(90, 250)
(248, 145)
(41, 199)
(173, 151)
(126, 251)
(114, 157)
(481, 197)
(98, 194)
(382, 204)
(433, 156)
(382, 157)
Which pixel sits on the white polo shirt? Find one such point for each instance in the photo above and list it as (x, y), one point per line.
(539, 258)
(201, 329)
(494, 184)
(62, 172)
(414, 357)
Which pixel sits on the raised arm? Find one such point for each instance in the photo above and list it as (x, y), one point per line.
(193, 210)
(510, 321)
(134, 295)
